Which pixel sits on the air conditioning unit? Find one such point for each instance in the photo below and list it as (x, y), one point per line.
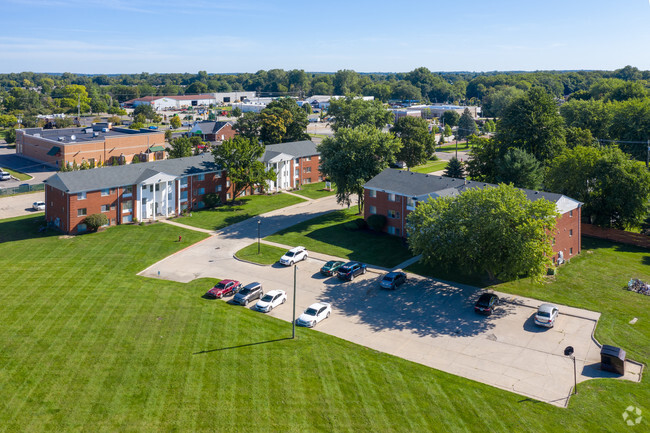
(95, 134)
(61, 138)
(73, 137)
(104, 129)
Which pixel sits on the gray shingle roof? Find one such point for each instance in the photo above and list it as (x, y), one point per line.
(410, 184)
(131, 174)
(210, 127)
(297, 149)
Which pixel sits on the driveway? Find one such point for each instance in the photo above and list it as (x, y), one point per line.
(425, 321)
(18, 205)
(9, 159)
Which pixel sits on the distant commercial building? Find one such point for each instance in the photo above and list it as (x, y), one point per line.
(185, 101)
(322, 102)
(99, 143)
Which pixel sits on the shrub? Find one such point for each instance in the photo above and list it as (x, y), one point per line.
(212, 200)
(95, 221)
(377, 222)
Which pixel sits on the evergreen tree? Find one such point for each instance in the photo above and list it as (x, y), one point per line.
(455, 169)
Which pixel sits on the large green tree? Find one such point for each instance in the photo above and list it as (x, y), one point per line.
(248, 125)
(417, 143)
(180, 147)
(613, 187)
(352, 112)
(240, 158)
(532, 123)
(495, 230)
(466, 125)
(520, 168)
(295, 122)
(354, 156)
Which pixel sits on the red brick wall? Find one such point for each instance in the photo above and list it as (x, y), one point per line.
(567, 235)
(382, 204)
(225, 133)
(309, 170)
(56, 206)
(615, 235)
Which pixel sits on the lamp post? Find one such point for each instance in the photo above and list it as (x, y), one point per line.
(568, 351)
(259, 222)
(293, 321)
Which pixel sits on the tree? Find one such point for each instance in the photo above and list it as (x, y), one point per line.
(352, 112)
(520, 168)
(273, 125)
(579, 137)
(240, 158)
(168, 135)
(7, 120)
(466, 125)
(72, 95)
(248, 125)
(146, 111)
(613, 187)
(180, 147)
(450, 117)
(417, 143)
(354, 156)
(455, 169)
(482, 166)
(532, 123)
(115, 120)
(295, 122)
(495, 102)
(196, 87)
(307, 108)
(236, 112)
(175, 122)
(494, 229)
(447, 131)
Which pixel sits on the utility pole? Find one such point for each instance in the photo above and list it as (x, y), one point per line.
(293, 322)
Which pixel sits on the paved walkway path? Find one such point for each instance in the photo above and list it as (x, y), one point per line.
(298, 195)
(185, 226)
(405, 264)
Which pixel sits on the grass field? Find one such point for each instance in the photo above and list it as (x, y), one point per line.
(86, 345)
(326, 234)
(314, 191)
(430, 166)
(268, 255)
(245, 207)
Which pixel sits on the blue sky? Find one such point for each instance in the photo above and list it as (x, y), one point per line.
(117, 36)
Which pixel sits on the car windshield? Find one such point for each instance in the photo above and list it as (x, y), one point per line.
(388, 278)
(289, 254)
(544, 313)
(311, 312)
(220, 286)
(483, 300)
(245, 291)
(267, 298)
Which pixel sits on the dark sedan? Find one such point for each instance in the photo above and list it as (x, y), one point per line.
(486, 303)
(330, 268)
(350, 270)
(392, 280)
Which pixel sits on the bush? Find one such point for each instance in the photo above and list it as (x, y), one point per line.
(212, 200)
(377, 222)
(95, 221)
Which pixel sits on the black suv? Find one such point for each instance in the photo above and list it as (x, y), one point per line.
(350, 270)
(486, 303)
(248, 293)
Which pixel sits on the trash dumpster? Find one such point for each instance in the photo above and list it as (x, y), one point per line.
(612, 359)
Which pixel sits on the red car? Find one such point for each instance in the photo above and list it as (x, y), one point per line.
(223, 288)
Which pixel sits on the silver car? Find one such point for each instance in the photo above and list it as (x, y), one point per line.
(546, 315)
(248, 293)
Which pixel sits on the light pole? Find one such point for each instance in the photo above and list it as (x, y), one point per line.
(259, 223)
(293, 321)
(568, 351)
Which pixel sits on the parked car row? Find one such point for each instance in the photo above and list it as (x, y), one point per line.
(545, 316)
(244, 295)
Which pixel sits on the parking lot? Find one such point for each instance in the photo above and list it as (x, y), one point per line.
(425, 321)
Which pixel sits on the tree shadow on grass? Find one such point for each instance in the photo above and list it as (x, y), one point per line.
(25, 228)
(424, 307)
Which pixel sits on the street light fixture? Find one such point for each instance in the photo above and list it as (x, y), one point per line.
(568, 351)
(259, 222)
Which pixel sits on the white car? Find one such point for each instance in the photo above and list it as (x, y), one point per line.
(39, 205)
(270, 300)
(293, 256)
(314, 314)
(546, 315)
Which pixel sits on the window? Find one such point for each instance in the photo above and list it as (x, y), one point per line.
(127, 206)
(570, 251)
(150, 188)
(307, 158)
(169, 195)
(296, 172)
(391, 196)
(410, 202)
(372, 193)
(200, 191)
(393, 214)
(184, 182)
(112, 221)
(127, 218)
(200, 177)
(200, 205)
(393, 230)
(82, 228)
(157, 187)
(81, 196)
(81, 212)
(570, 232)
(106, 207)
(105, 192)
(184, 195)
(227, 196)
(307, 169)
(307, 180)
(218, 188)
(570, 214)
(144, 187)
(228, 183)
(128, 191)
(320, 178)
(373, 209)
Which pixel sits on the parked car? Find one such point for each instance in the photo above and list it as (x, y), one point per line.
(392, 280)
(350, 270)
(223, 288)
(5, 175)
(314, 314)
(330, 268)
(293, 256)
(271, 300)
(546, 315)
(486, 303)
(39, 205)
(248, 293)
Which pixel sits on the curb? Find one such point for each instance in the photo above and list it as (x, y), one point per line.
(248, 261)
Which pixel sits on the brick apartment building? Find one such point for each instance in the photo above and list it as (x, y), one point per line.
(395, 193)
(99, 143)
(215, 132)
(157, 189)
(296, 163)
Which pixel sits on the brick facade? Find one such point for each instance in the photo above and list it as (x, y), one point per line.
(308, 169)
(225, 133)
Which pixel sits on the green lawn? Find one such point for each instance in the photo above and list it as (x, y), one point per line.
(86, 345)
(268, 255)
(245, 207)
(451, 147)
(326, 234)
(314, 190)
(17, 174)
(430, 166)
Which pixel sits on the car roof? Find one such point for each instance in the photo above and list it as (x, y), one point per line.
(318, 305)
(274, 292)
(487, 295)
(546, 307)
(352, 263)
(297, 249)
(251, 285)
(227, 281)
(393, 274)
